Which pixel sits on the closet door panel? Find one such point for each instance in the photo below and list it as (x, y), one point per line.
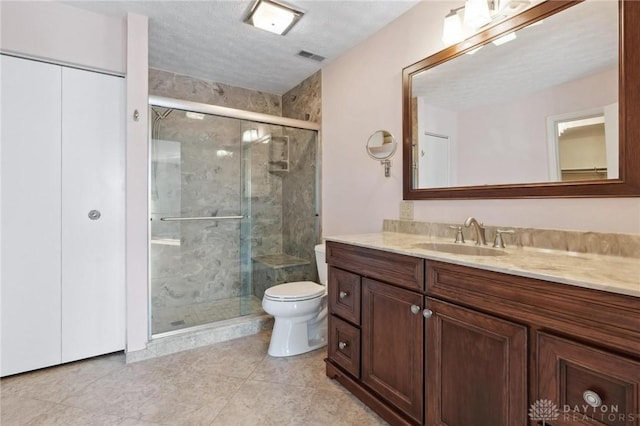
(93, 253)
(30, 223)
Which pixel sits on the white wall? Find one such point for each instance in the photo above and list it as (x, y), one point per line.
(493, 156)
(362, 92)
(137, 168)
(63, 34)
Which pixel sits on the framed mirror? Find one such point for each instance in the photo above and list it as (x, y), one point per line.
(553, 112)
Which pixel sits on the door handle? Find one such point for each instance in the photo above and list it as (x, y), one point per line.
(94, 214)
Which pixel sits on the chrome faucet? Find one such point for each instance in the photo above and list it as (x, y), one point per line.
(479, 230)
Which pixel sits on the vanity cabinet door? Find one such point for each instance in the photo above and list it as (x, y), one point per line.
(392, 345)
(587, 385)
(476, 368)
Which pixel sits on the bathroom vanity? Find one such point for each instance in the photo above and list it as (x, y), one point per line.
(426, 337)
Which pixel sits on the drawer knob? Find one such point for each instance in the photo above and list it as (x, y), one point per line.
(415, 309)
(427, 313)
(592, 398)
(343, 294)
(342, 345)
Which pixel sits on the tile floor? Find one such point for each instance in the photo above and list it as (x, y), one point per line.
(227, 384)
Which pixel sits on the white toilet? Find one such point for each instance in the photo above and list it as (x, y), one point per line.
(299, 310)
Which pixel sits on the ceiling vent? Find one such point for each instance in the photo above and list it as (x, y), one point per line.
(310, 55)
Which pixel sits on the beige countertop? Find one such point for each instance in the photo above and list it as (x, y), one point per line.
(608, 273)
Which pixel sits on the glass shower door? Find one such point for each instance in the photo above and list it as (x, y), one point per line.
(197, 214)
(233, 211)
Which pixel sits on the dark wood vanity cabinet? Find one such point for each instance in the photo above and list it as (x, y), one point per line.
(582, 345)
(433, 343)
(589, 385)
(476, 370)
(392, 345)
(377, 297)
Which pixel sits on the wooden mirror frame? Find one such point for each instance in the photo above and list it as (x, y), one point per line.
(628, 182)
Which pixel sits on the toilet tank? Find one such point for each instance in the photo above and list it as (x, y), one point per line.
(321, 263)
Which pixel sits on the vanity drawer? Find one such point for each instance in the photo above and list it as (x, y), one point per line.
(344, 345)
(598, 317)
(572, 375)
(397, 269)
(344, 294)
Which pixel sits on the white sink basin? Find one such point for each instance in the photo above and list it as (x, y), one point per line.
(470, 250)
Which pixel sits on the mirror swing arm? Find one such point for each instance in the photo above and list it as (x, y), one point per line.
(628, 182)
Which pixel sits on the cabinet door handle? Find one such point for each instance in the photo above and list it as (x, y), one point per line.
(427, 313)
(592, 398)
(415, 309)
(343, 294)
(342, 345)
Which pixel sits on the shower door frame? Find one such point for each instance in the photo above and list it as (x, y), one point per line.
(220, 111)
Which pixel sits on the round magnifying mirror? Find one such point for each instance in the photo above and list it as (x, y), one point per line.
(381, 145)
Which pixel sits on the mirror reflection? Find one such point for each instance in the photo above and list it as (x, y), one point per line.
(541, 107)
(381, 145)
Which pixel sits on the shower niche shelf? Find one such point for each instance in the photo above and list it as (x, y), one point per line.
(279, 154)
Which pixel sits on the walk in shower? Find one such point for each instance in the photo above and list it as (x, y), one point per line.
(233, 203)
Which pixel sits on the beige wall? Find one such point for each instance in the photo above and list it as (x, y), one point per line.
(64, 34)
(362, 92)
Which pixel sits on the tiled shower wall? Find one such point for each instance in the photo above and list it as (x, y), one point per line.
(303, 102)
(205, 266)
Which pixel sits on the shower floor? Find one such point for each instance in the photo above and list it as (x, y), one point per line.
(176, 318)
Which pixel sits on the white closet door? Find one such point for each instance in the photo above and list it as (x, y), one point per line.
(30, 152)
(93, 251)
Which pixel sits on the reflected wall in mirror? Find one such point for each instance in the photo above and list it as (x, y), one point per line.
(536, 116)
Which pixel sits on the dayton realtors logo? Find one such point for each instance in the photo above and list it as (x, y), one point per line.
(545, 410)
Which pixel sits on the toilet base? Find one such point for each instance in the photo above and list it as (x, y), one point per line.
(294, 338)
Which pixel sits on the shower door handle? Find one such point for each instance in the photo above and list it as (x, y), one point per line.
(175, 219)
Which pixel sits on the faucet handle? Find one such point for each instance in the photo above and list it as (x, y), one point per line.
(498, 242)
(459, 235)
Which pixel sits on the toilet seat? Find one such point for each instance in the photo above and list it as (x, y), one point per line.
(295, 291)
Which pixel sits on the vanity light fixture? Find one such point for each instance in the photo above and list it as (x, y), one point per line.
(476, 13)
(452, 30)
(273, 16)
(464, 21)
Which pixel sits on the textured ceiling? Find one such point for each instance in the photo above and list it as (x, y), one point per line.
(208, 39)
(577, 42)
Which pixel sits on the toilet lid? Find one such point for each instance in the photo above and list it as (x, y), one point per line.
(299, 290)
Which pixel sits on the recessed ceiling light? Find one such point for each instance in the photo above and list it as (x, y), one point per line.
(272, 16)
